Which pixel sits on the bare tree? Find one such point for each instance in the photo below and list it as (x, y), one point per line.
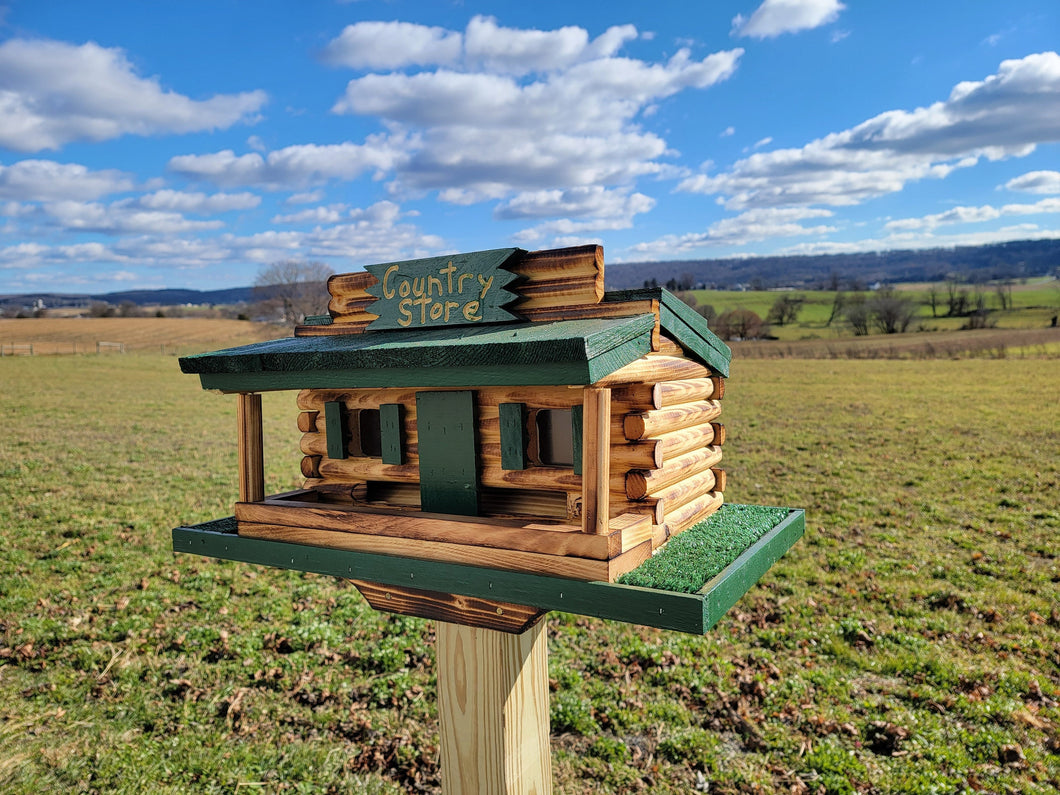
(294, 287)
(785, 310)
(891, 312)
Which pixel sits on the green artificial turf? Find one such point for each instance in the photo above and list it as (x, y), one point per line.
(687, 561)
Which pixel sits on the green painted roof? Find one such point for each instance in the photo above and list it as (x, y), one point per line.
(683, 325)
(530, 354)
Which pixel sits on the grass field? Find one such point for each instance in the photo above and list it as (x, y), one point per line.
(1033, 305)
(910, 643)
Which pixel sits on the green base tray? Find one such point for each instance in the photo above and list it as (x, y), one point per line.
(686, 612)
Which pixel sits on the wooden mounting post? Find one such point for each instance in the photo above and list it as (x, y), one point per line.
(493, 711)
(251, 455)
(596, 461)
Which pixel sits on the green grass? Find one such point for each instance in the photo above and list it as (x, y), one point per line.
(1033, 305)
(910, 642)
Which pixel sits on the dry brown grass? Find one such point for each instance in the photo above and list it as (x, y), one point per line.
(50, 336)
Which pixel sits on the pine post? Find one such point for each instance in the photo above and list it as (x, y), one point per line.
(493, 710)
(251, 455)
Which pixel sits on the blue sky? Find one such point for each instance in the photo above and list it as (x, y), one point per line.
(149, 145)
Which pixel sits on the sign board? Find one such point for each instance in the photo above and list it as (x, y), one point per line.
(458, 290)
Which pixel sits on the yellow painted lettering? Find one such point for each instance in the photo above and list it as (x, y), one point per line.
(470, 311)
(460, 281)
(388, 291)
(486, 284)
(448, 271)
(422, 301)
(404, 289)
(405, 308)
(418, 285)
(437, 309)
(431, 282)
(449, 305)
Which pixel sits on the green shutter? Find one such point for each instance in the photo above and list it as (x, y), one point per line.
(445, 424)
(335, 428)
(513, 435)
(392, 432)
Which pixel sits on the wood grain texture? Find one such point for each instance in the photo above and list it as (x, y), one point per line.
(584, 569)
(250, 448)
(693, 512)
(493, 711)
(519, 535)
(468, 611)
(669, 393)
(596, 460)
(643, 483)
(642, 425)
(653, 368)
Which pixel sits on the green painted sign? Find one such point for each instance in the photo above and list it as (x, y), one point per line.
(458, 290)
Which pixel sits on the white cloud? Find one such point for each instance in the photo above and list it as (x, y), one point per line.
(331, 214)
(1006, 115)
(199, 203)
(52, 93)
(120, 218)
(596, 209)
(294, 166)
(728, 131)
(1036, 182)
(748, 227)
(44, 180)
(309, 197)
(373, 234)
(775, 17)
(972, 215)
(392, 45)
(481, 136)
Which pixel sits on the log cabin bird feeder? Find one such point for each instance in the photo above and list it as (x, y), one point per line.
(486, 437)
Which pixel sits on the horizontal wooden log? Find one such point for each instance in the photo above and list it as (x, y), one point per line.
(642, 483)
(659, 421)
(311, 466)
(693, 513)
(670, 348)
(653, 509)
(307, 421)
(337, 328)
(561, 291)
(356, 469)
(454, 609)
(547, 264)
(589, 311)
(719, 433)
(720, 479)
(635, 455)
(669, 393)
(485, 397)
(653, 368)
(348, 493)
(685, 491)
(554, 565)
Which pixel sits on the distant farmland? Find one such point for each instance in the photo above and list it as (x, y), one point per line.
(50, 336)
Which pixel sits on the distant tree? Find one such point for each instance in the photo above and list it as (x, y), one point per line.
(100, 309)
(294, 288)
(933, 299)
(890, 311)
(785, 310)
(1004, 294)
(857, 315)
(688, 297)
(956, 298)
(741, 324)
(709, 313)
(686, 282)
(838, 303)
(128, 309)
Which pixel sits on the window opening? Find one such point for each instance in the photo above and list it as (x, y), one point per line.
(555, 437)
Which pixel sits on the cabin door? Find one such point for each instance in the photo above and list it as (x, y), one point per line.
(445, 426)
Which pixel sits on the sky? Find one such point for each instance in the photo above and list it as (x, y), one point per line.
(191, 144)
